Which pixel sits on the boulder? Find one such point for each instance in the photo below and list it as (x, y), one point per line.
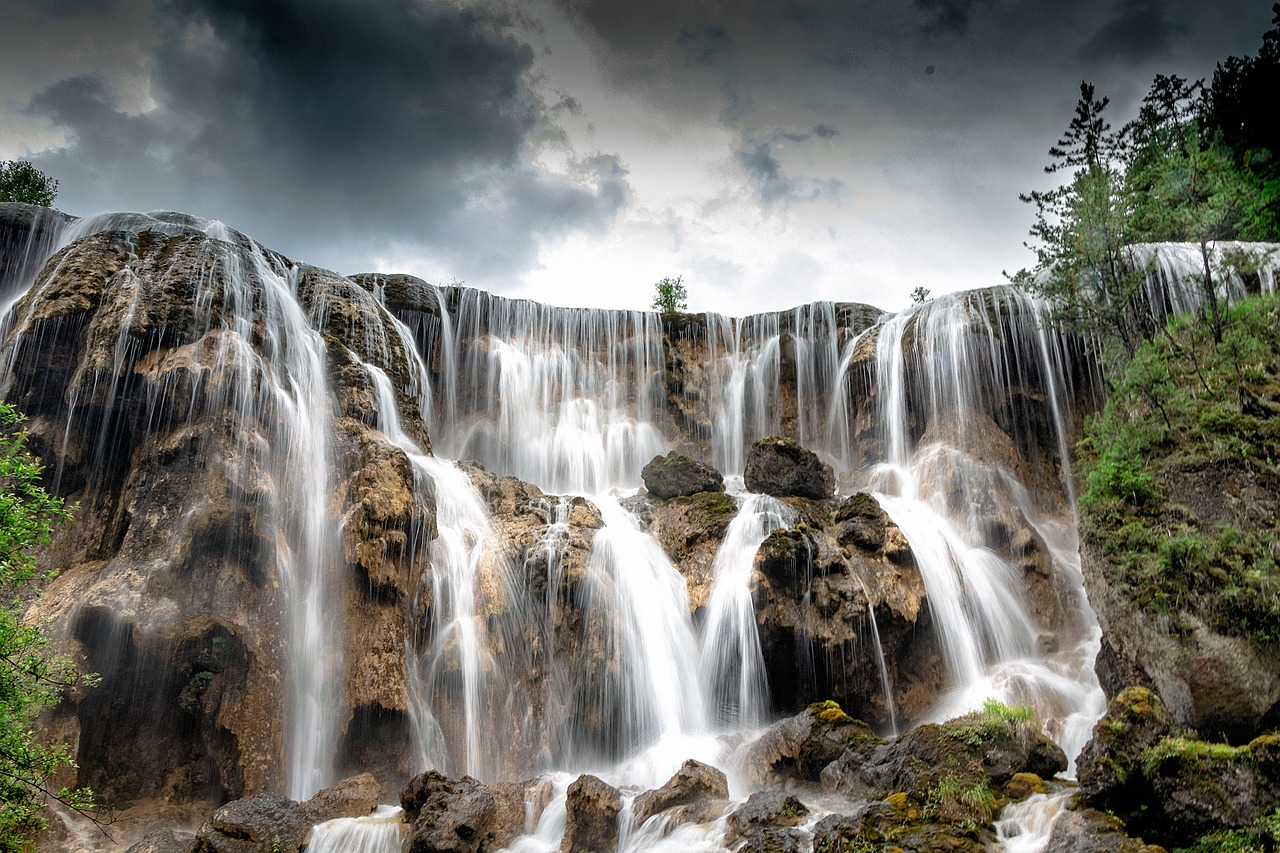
(676, 475)
(591, 822)
(460, 815)
(760, 816)
(989, 747)
(1090, 831)
(800, 747)
(165, 841)
(353, 797)
(273, 823)
(780, 467)
(1109, 767)
(695, 794)
(255, 825)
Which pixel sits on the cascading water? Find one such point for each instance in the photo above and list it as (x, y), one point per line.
(293, 380)
(945, 487)
(732, 662)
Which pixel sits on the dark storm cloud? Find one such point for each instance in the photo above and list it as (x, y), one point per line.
(315, 123)
(1139, 30)
(773, 184)
(947, 17)
(706, 45)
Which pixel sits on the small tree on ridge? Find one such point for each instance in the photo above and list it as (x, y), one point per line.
(22, 182)
(670, 296)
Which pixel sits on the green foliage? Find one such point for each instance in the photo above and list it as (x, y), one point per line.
(20, 181)
(1083, 233)
(30, 678)
(670, 296)
(993, 721)
(967, 805)
(1197, 165)
(1191, 410)
(920, 295)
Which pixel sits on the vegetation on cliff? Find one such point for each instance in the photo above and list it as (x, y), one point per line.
(22, 182)
(1181, 468)
(31, 680)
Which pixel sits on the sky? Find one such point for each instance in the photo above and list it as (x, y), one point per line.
(771, 152)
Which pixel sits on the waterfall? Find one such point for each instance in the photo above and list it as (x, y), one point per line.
(732, 663)
(955, 414)
(378, 833)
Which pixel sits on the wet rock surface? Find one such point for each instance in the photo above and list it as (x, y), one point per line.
(1088, 830)
(592, 807)
(800, 747)
(780, 467)
(461, 815)
(275, 823)
(696, 793)
(676, 475)
(763, 820)
(1166, 785)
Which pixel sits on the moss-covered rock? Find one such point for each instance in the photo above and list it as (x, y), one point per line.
(676, 475)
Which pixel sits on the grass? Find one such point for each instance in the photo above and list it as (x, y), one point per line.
(993, 721)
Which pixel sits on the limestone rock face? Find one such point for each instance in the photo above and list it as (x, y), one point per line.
(145, 376)
(676, 475)
(778, 466)
(1135, 721)
(591, 824)
(817, 590)
(1169, 788)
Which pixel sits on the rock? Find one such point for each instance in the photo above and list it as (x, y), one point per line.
(778, 466)
(763, 811)
(676, 475)
(255, 825)
(1203, 787)
(775, 841)
(353, 797)
(1109, 767)
(460, 815)
(983, 748)
(861, 522)
(690, 530)
(591, 823)
(800, 747)
(694, 794)
(1090, 831)
(166, 841)
(1224, 686)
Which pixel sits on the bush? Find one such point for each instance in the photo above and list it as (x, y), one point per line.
(30, 679)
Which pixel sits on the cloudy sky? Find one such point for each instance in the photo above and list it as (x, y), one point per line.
(772, 152)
